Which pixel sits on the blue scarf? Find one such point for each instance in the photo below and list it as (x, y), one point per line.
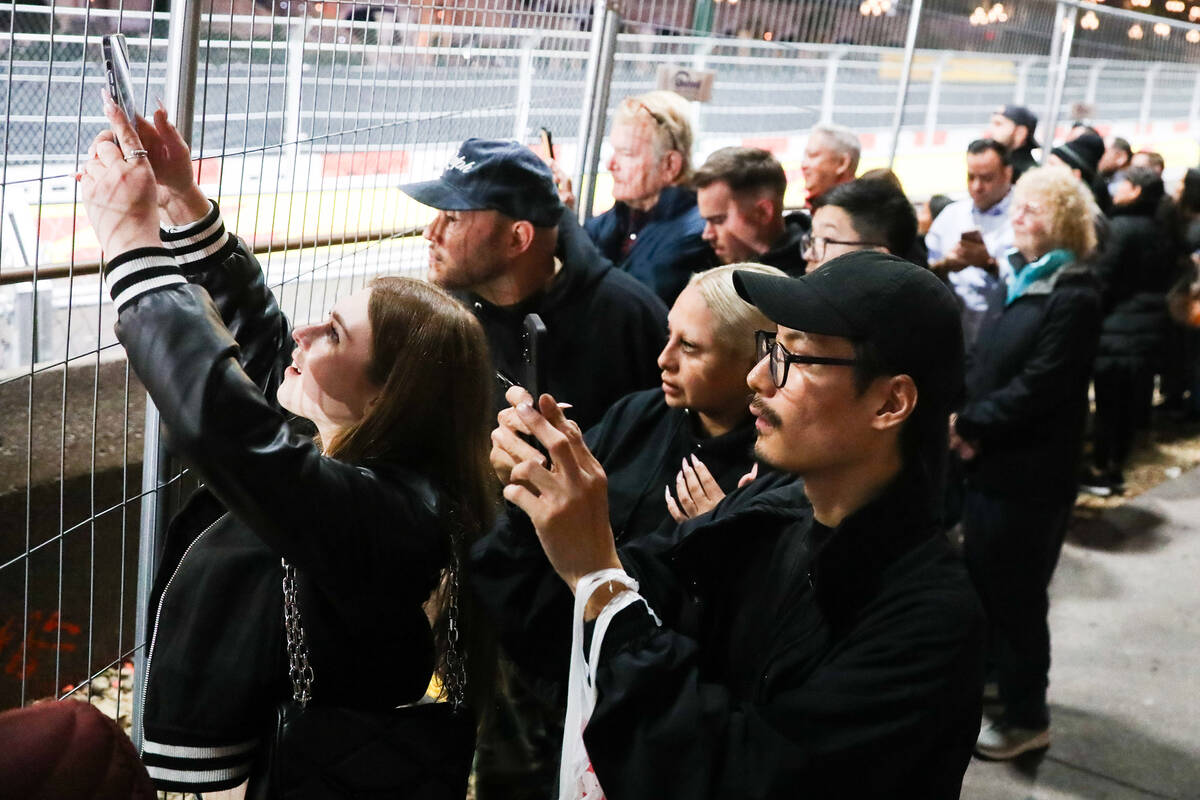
(1037, 277)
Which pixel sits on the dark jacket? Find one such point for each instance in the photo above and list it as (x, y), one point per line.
(640, 443)
(362, 537)
(844, 662)
(787, 253)
(1027, 379)
(604, 330)
(668, 249)
(1136, 267)
(1022, 160)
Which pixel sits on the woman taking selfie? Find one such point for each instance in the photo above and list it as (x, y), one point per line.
(371, 520)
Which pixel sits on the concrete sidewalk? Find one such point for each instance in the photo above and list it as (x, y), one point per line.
(1125, 679)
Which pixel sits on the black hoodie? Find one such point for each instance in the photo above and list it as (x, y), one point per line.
(604, 330)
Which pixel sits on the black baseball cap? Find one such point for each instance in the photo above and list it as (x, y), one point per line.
(1020, 115)
(909, 315)
(494, 174)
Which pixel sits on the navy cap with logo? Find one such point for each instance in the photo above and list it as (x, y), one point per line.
(494, 174)
(909, 315)
(1020, 115)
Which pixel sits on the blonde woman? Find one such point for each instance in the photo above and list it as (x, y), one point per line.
(1021, 435)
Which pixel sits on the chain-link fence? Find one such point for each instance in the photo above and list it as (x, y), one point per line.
(307, 116)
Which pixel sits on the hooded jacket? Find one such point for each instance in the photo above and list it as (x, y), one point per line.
(210, 344)
(846, 662)
(604, 330)
(668, 248)
(787, 253)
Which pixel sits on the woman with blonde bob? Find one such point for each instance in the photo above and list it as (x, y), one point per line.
(365, 528)
(1020, 433)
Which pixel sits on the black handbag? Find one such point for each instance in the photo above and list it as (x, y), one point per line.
(421, 751)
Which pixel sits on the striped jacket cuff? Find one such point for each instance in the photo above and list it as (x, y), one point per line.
(184, 768)
(131, 274)
(201, 244)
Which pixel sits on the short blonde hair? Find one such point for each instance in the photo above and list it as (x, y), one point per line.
(735, 319)
(1074, 210)
(667, 113)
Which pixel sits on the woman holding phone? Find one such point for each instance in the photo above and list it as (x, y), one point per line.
(374, 515)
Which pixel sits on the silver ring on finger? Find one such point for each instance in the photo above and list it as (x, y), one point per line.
(137, 154)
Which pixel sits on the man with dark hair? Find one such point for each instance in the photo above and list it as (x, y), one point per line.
(739, 191)
(1149, 158)
(1117, 156)
(864, 214)
(1013, 126)
(834, 645)
(502, 242)
(968, 240)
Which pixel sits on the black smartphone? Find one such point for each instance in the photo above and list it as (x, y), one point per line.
(120, 79)
(533, 345)
(547, 142)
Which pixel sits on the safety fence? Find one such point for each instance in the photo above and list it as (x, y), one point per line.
(305, 117)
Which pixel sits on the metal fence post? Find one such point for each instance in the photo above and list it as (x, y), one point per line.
(183, 45)
(1060, 52)
(935, 96)
(910, 44)
(828, 91)
(1148, 96)
(605, 24)
(525, 87)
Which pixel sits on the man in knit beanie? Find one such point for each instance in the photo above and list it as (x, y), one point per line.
(1082, 156)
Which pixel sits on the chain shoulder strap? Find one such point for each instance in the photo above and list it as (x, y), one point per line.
(299, 669)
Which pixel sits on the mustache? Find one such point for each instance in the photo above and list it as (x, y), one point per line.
(765, 412)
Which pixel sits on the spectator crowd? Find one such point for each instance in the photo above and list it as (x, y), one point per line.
(783, 513)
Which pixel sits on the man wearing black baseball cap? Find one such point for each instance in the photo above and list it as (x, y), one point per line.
(504, 244)
(1013, 126)
(831, 648)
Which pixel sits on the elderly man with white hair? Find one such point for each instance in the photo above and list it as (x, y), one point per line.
(654, 230)
(830, 157)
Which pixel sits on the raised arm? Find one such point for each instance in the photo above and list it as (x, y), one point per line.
(332, 519)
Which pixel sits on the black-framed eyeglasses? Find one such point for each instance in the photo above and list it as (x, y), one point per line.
(662, 122)
(819, 243)
(781, 359)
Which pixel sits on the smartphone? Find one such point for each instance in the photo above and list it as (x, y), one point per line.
(972, 236)
(533, 345)
(548, 143)
(120, 79)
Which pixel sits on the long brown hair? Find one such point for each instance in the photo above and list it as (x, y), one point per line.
(434, 414)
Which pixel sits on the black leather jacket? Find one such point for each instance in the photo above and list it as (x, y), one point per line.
(209, 342)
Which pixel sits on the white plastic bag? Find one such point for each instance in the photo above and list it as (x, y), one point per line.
(576, 779)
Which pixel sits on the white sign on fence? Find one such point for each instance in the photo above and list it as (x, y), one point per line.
(692, 84)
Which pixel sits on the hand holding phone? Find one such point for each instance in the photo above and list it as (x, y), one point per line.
(974, 237)
(119, 79)
(533, 343)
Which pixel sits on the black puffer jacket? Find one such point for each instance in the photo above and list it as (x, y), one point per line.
(210, 344)
(1137, 266)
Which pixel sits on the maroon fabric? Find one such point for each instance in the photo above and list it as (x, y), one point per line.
(68, 749)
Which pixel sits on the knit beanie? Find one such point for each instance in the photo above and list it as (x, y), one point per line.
(1082, 153)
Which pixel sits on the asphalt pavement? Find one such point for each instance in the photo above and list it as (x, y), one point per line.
(1125, 678)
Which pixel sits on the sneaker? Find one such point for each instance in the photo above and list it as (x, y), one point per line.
(999, 741)
(1096, 484)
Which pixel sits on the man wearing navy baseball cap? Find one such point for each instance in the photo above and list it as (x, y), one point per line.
(504, 243)
(1014, 126)
(816, 636)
